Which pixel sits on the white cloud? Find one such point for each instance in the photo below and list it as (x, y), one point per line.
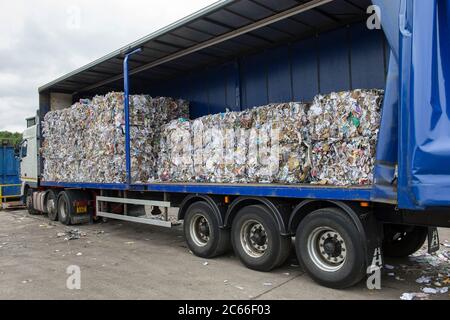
(42, 40)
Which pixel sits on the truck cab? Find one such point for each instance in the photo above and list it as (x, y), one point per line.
(29, 159)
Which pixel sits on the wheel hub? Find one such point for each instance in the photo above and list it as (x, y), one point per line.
(200, 231)
(254, 239)
(50, 205)
(330, 248)
(204, 229)
(327, 249)
(29, 201)
(258, 235)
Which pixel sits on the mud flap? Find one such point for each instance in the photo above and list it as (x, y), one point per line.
(373, 233)
(433, 240)
(80, 219)
(373, 230)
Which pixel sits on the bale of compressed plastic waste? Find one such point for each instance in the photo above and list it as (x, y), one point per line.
(260, 145)
(86, 143)
(330, 142)
(343, 135)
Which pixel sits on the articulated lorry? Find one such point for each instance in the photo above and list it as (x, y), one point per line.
(238, 54)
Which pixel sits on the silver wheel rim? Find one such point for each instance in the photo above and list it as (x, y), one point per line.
(29, 201)
(327, 249)
(254, 239)
(200, 230)
(50, 206)
(62, 209)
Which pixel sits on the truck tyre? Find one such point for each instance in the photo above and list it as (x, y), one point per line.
(64, 209)
(402, 241)
(330, 248)
(203, 234)
(51, 205)
(257, 240)
(29, 203)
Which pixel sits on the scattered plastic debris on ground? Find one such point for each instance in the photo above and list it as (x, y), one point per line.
(435, 273)
(72, 234)
(414, 296)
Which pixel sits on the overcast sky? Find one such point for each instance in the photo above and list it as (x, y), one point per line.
(43, 39)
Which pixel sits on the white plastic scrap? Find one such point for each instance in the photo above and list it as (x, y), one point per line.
(413, 295)
(423, 279)
(429, 290)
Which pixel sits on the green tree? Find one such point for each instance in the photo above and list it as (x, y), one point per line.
(13, 138)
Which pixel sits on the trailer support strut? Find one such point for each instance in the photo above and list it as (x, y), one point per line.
(126, 83)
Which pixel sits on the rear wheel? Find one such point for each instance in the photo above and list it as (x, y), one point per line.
(64, 209)
(203, 234)
(29, 202)
(402, 241)
(51, 205)
(330, 249)
(257, 240)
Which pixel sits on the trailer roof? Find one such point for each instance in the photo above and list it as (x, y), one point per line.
(221, 31)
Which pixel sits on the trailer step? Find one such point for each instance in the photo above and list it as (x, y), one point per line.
(143, 220)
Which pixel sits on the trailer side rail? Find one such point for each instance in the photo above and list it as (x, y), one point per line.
(126, 201)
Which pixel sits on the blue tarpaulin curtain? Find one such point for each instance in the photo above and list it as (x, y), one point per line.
(424, 154)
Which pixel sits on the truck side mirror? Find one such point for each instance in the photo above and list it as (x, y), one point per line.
(17, 151)
(23, 149)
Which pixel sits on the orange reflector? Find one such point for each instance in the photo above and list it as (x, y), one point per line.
(227, 199)
(364, 204)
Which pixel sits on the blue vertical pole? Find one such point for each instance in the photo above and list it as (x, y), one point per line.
(126, 84)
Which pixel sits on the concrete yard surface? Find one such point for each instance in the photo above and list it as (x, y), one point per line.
(120, 260)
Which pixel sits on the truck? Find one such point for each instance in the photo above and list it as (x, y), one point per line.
(238, 54)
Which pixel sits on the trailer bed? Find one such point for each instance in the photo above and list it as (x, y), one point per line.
(353, 193)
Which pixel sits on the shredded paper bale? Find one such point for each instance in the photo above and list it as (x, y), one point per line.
(261, 145)
(329, 142)
(86, 143)
(344, 130)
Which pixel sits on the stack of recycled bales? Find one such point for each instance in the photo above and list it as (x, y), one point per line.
(330, 142)
(86, 143)
(260, 145)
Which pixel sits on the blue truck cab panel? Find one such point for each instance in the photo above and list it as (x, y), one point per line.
(9, 173)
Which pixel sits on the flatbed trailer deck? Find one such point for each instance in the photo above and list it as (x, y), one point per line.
(306, 191)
